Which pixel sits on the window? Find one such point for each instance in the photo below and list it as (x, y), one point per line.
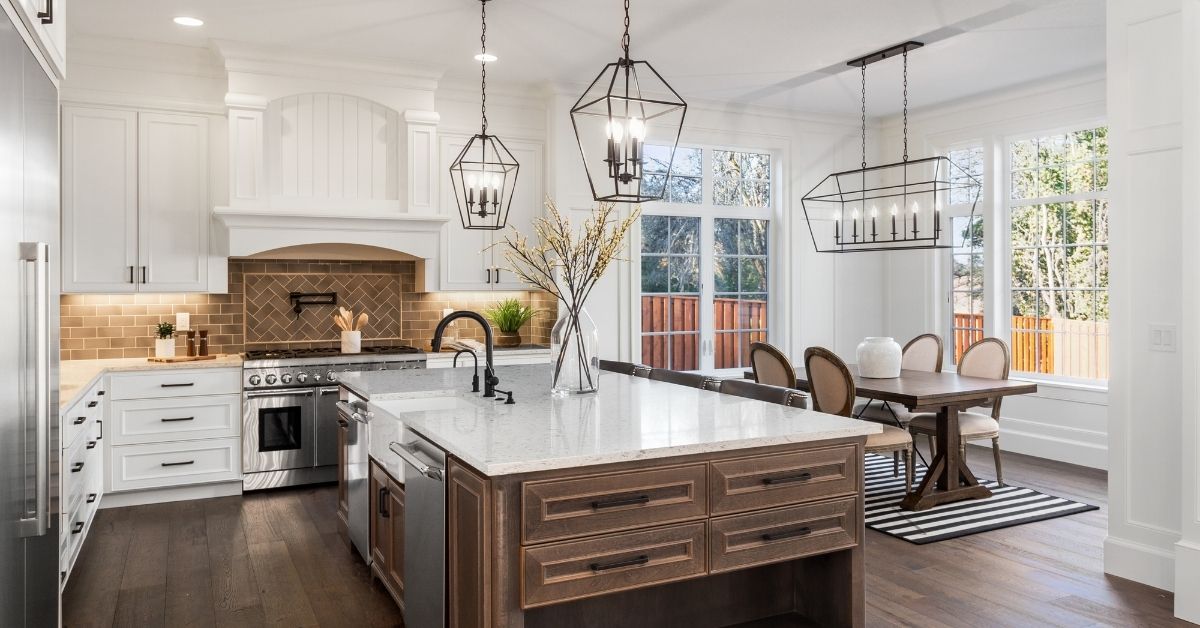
(1058, 269)
(741, 179)
(705, 258)
(966, 259)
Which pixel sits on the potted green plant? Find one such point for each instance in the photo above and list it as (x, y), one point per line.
(164, 344)
(509, 316)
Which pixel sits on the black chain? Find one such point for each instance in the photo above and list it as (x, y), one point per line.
(864, 115)
(483, 64)
(625, 37)
(905, 104)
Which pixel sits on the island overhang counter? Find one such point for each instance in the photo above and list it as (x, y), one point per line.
(645, 504)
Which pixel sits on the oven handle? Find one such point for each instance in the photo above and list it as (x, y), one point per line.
(285, 392)
(330, 390)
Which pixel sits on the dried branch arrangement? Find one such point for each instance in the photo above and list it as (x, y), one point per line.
(568, 263)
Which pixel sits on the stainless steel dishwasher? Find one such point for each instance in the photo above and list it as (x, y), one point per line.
(358, 492)
(424, 530)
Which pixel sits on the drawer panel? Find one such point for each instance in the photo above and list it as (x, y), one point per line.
(175, 383)
(559, 509)
(79, 417)
(185, 418)
(741, 541)
(81, 465)
(156, 465)
(571, 570)
(783, 479)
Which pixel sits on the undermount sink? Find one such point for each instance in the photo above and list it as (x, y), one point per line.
(422, 404)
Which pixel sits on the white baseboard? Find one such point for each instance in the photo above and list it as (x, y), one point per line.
(1053, 442)
(1139, 562)
(163, 495)
(1187, 578)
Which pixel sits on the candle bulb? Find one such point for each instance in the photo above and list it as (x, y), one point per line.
(893, 221)
(472, 181)
(937, 220)
(837, 229)
(637, 135)
(914, 213)
(854, 223)
(874, 215)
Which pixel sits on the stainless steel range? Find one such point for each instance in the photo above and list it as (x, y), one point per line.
(289, 416)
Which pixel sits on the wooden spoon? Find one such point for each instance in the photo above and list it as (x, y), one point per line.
(361, 321)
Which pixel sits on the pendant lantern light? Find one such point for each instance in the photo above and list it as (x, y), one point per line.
(626, 103)
(484, 174)
(890, 207)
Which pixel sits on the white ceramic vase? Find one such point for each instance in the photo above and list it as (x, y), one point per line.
(879, 358)
(164, 347)
(351, 342)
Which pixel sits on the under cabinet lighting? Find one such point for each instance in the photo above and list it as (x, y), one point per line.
(184, 20)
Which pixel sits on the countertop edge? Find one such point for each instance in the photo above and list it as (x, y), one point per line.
(128, 365)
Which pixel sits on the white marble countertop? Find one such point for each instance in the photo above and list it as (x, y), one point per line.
(76, 376)
(629, 418)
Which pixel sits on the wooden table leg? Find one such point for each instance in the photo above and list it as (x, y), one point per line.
(948, 478)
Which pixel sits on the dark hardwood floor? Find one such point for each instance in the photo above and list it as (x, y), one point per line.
(275, 559)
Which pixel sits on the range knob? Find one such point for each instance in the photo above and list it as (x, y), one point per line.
(286, 378)
(331, 376)
(255, 380)
(270, 380)
(302, 377)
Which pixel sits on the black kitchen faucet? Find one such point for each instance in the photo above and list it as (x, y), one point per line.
(489, 370)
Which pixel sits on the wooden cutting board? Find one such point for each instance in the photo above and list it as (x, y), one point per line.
(184, 358)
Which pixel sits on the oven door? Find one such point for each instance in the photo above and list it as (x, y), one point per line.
(278, 430)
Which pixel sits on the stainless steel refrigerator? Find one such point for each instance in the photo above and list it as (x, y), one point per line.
(29, 289)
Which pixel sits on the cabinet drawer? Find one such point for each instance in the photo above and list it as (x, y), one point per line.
(784, 479)
(741, 541)
(559, 572)
(185, 418)
(176, 383)
(558, 509)
(155, 465)
(81, 417)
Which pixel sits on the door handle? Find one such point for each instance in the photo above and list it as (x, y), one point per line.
(47, 16)
(143, 274)
(497, 274)
(183, 385)
(786, 534)
(489, 275)
(383, 497)
(628, 562)
(178, 464)
(131, 277)
(77, 467)
(92, 404)
(181, 418)
(36, 521)
(101, 424)
(91, 444)
(79, 420)
(799, 477)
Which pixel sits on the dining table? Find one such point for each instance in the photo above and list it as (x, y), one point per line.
(948, 479)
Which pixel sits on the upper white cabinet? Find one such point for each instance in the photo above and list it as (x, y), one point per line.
(471, 262)
(136, 213)
(47, 21)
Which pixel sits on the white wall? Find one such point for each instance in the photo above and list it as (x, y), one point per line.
(1059, 422)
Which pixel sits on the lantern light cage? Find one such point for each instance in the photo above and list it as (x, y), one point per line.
(895, 206)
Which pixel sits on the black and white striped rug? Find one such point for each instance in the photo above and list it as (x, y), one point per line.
(1008, 506)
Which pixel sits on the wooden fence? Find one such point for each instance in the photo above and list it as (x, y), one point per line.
(1055, 346)
(677, 318)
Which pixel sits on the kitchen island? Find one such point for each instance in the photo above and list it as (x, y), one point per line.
(646, 504)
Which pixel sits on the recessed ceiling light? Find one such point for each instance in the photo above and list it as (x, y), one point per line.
(184, 20)
(485, 57)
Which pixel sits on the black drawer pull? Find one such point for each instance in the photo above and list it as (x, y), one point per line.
(628, 562)
(343, 423)
(383, 503)
(92, 497)
(621, 501)
(178, 464)
(184, 385)
(799, 477)
(77, 528)
(181, 418)
(77, 467)
(93, 404)
(91, 444)
(787, 534)
(79, 420)
(99, 393)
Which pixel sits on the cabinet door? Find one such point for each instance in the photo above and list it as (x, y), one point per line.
(173, 210)
(395, 570)
(527, 204)
(381, 523)
(100, 204)
(465, 262)
(343, 504)
(51, 36)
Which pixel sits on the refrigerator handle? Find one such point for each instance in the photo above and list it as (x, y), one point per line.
(38, 254)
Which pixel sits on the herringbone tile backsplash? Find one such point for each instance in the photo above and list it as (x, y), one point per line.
(256, 313)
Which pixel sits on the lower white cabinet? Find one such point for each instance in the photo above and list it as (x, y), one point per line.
(81, 471)
(159, 465)
(139, 421)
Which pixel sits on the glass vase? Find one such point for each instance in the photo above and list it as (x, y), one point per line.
(574, 349)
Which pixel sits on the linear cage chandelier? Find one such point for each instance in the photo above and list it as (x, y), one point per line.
(890, 207)
(484, 174)
(614, 116)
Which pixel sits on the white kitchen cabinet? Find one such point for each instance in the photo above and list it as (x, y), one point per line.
(47, 21)
(136, 212)
(81, 471)
(470, 261)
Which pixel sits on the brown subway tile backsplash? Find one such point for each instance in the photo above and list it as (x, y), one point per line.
(256, 312)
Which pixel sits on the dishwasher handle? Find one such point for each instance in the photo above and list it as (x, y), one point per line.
(352, 412)
(408, 454)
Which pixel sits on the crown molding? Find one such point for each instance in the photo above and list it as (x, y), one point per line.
(291, 63)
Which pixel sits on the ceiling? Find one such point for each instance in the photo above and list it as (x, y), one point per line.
(777, 53)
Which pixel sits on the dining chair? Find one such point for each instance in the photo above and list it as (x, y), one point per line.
(771, 366)
(624, 368)
(695, 380)
(923, 353)
(762, 392)
(987, 359)
(832, 389)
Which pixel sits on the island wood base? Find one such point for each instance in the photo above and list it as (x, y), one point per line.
(760, 537)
